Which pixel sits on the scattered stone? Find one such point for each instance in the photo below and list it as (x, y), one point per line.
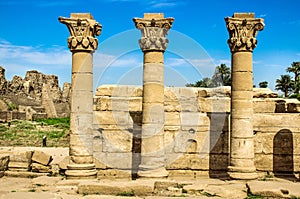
(274, 189)
(40, 168)
(41, 158)
(4, 159)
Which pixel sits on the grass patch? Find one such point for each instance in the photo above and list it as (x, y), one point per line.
(26, 133)
(126, 193)
(55, 121)
(252, 196)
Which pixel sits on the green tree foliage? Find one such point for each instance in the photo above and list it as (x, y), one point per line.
(221, 77)
(285, 84)
(263, 84)
(295, 68)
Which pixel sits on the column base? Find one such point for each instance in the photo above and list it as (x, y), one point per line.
(81, 171)
(242, 173)
(154, 173)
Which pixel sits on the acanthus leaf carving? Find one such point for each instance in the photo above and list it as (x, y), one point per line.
(82, 33)
(154, 33)
(242, 33)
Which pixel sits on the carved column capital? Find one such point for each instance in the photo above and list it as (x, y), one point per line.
(83, 30)
(154, 29)
(243, 28)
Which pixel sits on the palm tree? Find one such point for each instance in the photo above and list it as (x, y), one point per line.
(222, 76)
(285, 84)
(263, 84)
(295, 68)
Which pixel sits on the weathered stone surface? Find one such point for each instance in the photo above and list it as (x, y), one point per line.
(217, 188)
(29, 91)
(40, 168)
(19, 156)
(114, 174)
(274, 189)
(293, 107)
(143, 188)
(4, 159)
(41, 158)
(264, 106)
(264, 93)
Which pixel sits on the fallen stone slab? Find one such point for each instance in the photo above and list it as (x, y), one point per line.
(217, 188)
(40, 168)
(121, 188)
(23, 174)
(46, 180)
(18, 166)
(274, 189)
(21, 156)
(41, 157)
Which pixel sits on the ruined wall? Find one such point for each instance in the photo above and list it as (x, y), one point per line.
(196, 137)
(35, 91)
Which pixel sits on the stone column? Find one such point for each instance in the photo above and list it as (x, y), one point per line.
(154, 28)
(82, 43)
(242, 28)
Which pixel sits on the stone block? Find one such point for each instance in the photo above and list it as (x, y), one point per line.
(114, 174)
(181, 174)
(102, 103)
(40, 168)
(135, 104)
(264, 106)
(41, 158)
(105, 90)
(21, 157)
(214, 104)
(276, 120)
(172, 119)
(115, 160)
(172, 106)
(293, 107)
(18, 166)
(263, 143)
(153, 72)
(153, 92)
(4, 159)
(222, 91)
(188, 104)
(191, 142)
(64, 163)
(193, 119)
(82, 81)
(118, 118)
(170, 95)
(117, 141)
(190, 161)
(263, 162)
(264, 93)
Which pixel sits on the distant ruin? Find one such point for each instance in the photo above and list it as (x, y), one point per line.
(36, 96)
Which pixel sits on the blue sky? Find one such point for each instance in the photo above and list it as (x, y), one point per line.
(32, 38)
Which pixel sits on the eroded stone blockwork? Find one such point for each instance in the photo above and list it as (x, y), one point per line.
(82, 43)
(196, 137)
(242, 28)
(153, 43)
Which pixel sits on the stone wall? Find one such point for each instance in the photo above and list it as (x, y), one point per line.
(196, 130)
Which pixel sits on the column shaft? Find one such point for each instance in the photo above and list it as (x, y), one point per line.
(82, 43)
(153, 154)
(242, 28)
(242, 145)
(153, 43)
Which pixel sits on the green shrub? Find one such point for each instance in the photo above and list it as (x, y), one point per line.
(25, 125)
(53, 121)
(3, 128)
